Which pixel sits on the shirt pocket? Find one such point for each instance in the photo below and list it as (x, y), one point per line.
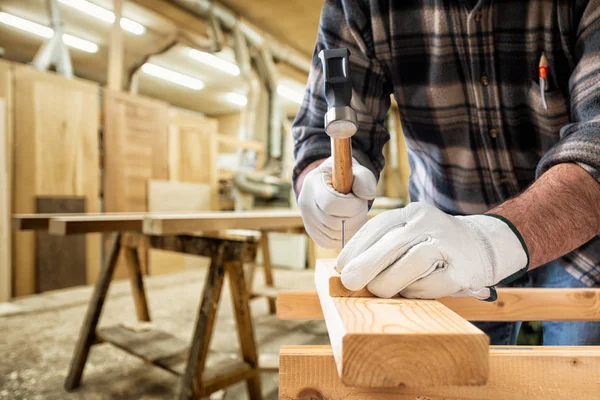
(548, 122)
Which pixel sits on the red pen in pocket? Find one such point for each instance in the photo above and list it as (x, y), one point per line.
(543, 72)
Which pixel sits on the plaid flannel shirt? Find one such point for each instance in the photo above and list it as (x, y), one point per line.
(465, 76)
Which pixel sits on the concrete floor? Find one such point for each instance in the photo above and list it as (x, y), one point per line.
(38, 334)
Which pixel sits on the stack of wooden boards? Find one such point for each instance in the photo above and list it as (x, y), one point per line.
(424, 349)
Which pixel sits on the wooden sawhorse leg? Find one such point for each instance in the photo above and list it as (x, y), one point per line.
(268, 271)
(87, 335)
(195, 383)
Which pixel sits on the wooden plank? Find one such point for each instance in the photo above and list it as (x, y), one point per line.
(114, 222)
(56, 154)
(135, 136)
(513, 304)
(295, 305)
(195, 222)
(193, 150)
(59, 261)
(5, 207)
(388, 343)
(517, 373)
(116, 49)
(6, 172)
(170, 196)
(151, 345)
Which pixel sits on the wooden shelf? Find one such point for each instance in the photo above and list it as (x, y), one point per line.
(168, 352)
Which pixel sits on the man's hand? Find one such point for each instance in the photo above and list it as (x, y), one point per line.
(422, 252)
(323, 208)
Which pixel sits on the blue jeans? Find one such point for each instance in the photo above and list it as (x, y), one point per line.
(552, 275)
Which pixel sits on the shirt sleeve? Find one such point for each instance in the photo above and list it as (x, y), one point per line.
(580, 140)
(345, 23)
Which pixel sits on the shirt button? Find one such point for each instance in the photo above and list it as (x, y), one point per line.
(485, 80)
(494, 133)
(478, 16)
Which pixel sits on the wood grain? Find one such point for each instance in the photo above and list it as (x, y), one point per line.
(193, 150)
(6, 176)
(59, 261)
(295, 305)
(390, 343)
(5, 207)
(135, 137)
(170, 196)
(517, 373)
(56, 154)
(342, 177)
(110, 222)
(195, 222)
(512, 305)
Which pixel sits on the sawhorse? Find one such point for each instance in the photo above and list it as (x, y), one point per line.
(160, 348)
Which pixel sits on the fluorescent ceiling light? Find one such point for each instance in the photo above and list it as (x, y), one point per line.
(26, 25)
(172, 76)
(290, 94)
(104, 15)
(47, 33)
(236, 98)
(215, 62)
(78, 43)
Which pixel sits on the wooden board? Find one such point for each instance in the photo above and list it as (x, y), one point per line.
(512, 305)
(5, 207)
(135, 143)
(516, 373)
(194, 222)
(59, 261)
(6, 172)
(168, 196)
(56, 154)
(176, 196)
(113, 222)
(193, 150)
(401, 342)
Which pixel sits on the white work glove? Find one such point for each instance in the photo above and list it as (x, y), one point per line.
(422, 252)
(323, 208)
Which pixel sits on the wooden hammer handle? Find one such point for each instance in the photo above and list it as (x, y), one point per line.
(342, 165)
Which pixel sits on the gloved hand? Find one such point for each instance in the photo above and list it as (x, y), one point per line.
(422, 252)
(323, 209)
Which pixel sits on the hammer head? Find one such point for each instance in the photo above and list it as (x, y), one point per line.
(340, 120)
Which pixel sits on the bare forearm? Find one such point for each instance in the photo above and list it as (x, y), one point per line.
(557, 214)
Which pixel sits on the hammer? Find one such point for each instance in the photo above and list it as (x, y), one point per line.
(340, 119)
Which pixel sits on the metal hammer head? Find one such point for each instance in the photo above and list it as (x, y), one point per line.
(340, 120)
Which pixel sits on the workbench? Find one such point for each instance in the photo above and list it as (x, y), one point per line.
(427, 350)
(202, 234)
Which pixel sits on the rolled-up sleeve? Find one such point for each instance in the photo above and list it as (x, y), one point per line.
(345, 23)
(580, 140)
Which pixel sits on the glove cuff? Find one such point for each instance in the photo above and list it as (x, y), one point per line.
(511, 277)
(514, 230)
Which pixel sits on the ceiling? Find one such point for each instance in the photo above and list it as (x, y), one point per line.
(292, 21)
(279, 18)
